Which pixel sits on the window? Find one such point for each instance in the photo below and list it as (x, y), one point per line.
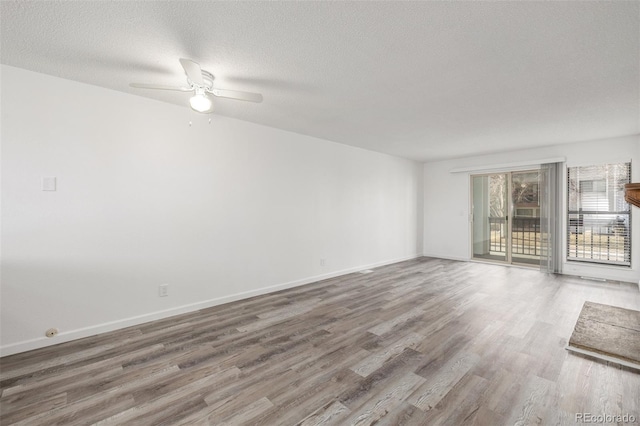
(599, 219)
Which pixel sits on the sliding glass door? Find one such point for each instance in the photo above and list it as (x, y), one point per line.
(506, 217)
(525, 229)
(489, 217)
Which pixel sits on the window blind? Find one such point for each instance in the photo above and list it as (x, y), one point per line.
(598, 217)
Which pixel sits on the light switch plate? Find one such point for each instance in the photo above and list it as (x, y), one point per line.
(49, 183)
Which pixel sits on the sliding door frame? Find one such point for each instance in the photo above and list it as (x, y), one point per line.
(510, 210)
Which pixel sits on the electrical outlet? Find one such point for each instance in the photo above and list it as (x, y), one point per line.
(323, 262)
(163, 290)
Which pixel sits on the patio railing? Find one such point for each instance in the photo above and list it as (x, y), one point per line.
(599, 238)
(525, 235)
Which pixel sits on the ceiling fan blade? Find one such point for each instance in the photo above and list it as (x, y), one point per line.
(235, 94)
(159, 87)
(193, 71)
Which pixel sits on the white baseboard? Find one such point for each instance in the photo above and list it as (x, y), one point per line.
(439, 256)
(41, 342)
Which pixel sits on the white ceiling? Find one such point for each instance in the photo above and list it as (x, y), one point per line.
(422, 80)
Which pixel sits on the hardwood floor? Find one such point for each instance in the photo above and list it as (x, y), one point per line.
(423, 342)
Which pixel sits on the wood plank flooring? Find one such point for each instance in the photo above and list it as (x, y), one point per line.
(422, 342)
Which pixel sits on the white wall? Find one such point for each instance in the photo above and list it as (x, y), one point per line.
(218, 211)
(447, 205)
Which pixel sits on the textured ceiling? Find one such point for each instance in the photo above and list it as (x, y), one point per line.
(422, 80)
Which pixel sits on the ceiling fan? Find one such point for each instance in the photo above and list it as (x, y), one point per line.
(201, 83)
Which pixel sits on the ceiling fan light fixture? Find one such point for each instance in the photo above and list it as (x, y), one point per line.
(201, 102)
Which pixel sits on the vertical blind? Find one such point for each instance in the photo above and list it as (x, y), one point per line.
(599, 219)
(550, 202)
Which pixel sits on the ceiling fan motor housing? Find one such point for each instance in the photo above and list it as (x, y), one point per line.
(207, 77)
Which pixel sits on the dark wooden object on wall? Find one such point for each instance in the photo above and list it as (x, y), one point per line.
(632, 193)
